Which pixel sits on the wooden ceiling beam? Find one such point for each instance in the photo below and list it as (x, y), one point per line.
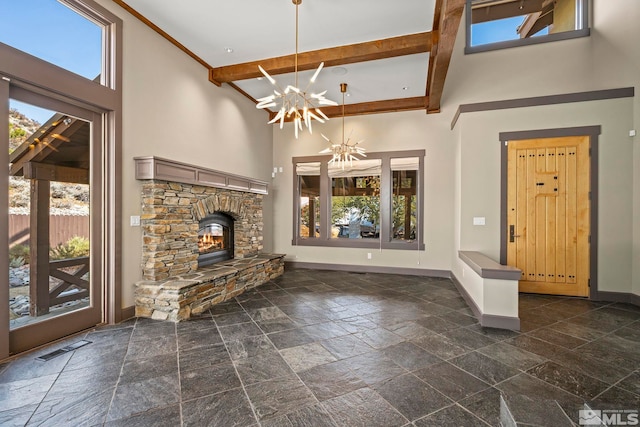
(374, 107)
(348, 54)
(435, 38)
(46, 172)
(486, 12)
(447, 29)
(535, 22)
(39, 146)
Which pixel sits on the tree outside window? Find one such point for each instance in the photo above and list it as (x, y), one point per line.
(373, 202)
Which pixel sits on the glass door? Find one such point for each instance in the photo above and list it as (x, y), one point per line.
(53, 246)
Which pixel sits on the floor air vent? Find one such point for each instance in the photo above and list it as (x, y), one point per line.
(63, 350)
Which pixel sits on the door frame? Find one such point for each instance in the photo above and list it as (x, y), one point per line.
(4, 219)
(41, 332)
(593, 133)
(37, 75)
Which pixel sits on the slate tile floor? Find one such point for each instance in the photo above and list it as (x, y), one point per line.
(321, 348)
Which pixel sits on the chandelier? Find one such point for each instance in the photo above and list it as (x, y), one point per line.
(296, 104)
(346, 151)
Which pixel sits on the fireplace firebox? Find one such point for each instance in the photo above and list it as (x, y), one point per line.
(215, 239)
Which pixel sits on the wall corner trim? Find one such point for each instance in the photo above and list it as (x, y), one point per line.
(127, 313)
(565, 98)
(621, 297)
(368, 269)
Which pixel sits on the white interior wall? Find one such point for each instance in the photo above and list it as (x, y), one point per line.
(500, 297)
(636, 196)
(481, 178)
(621, 34)
(601, 61)
(381, 132)
(635, 141)
(608, 59)
(171, 110)
(456, 264)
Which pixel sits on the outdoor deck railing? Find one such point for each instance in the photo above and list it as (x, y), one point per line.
(73, 286)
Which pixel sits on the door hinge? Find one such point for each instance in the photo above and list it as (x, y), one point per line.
(589, 152)
(589, 195)
(589, 238)
(589, 283)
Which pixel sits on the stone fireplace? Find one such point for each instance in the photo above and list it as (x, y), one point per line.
(171, 215)
(202, 234)
(174, 215)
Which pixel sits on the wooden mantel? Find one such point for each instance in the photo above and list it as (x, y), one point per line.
(151, 167)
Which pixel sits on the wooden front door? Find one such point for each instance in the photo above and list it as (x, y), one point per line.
(548, 215)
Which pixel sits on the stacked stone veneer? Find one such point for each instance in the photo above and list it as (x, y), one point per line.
(171, 213)
(192, 294)
(174, 287)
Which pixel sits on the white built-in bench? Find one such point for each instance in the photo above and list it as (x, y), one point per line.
(490, 289)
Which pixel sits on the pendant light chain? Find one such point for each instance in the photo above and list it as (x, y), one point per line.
(296, 56)
(346, 151)
(342, 114)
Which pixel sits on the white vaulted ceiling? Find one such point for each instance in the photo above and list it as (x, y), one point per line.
(257, 30)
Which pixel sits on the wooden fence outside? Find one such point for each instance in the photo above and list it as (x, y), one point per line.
(61, 228)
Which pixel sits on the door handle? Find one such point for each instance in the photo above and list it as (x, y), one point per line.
(512, 233)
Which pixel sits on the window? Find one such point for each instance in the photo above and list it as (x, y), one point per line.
(499, 24)
(309, 199)
(63, 33)
(355, 200)
(404, 206)
(372, 203)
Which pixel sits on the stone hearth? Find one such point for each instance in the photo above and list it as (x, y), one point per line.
(189, 295)
(175, 197)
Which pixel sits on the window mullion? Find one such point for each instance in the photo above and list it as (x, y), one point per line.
(385, 201)
(4, 209)
(420, 202)
(325, 201)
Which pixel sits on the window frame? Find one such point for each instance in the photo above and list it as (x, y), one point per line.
(566, 35)
(386, 200)
(25, 71)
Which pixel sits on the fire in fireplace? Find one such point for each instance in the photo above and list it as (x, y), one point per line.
(215, 239)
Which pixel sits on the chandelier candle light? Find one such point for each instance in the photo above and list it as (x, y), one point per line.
(346, 151)
(295, 103)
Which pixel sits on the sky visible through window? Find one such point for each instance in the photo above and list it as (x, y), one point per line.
(498, 31)
(51, 31)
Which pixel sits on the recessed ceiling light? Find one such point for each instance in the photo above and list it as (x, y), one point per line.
(339, 71)
(405, 87)
(228, 49)
(347, 94)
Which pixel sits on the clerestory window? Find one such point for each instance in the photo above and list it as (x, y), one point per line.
(499, 24)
